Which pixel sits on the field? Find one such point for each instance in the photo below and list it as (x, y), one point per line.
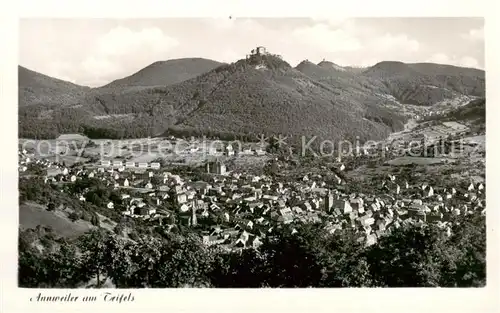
(418, 160)
(144, 150)
(32, 215)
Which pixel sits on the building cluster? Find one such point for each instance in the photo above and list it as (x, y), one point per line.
(120, 164)
(442, 130)
(238, 210)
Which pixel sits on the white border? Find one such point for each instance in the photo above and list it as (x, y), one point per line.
(14, 299)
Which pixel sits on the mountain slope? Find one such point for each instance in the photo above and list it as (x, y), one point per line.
(36, 88)
(259, 95)
(264, 95)
(164, 73)
(331, 65)
(426, 83)
(473, 113)
(316, 71)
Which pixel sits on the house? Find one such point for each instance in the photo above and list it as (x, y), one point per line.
(285, 211)
(105, 163)
(155, 165)
(147, 211)
(190, 194)
(212, 150)
(178, 189)
(371, 239)
(417, 212)
(126, 183)
(164, 188)
(143, 165)
(286, 219)
(117, 163)
(307, 206)
(229, 150)
(129, 164)
(269, 198)
(366, 220)
(357, 204)
(216, 167)
(259, 151)
(417, 202)
(181, 198)
(212, 240)
(183, 208)
(250, 224)
(430, 193)
(434, 217)
(255, 242)
(343, 205)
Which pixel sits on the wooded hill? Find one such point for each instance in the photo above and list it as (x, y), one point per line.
(261, 94)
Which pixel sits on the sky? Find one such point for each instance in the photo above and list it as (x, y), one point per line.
(94, 52)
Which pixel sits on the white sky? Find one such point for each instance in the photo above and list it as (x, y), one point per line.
(93, 52)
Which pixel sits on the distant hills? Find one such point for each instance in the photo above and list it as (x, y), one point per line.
(163, 73)
(260, 94)
(36, 88)
(472, 114)
(427, 83)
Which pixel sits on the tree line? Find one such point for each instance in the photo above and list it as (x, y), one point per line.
(410, 256)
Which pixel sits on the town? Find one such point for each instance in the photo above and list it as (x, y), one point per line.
(236, 209)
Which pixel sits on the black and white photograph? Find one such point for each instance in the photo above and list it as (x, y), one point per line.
(251, 152)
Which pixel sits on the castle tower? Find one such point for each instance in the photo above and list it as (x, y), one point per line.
(194, 207)
(328, 201)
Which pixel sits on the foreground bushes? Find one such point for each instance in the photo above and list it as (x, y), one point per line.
(409, 257)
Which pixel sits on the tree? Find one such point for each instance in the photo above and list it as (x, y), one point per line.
(51, 206)
(145, 260)
(245, 269)
(95, 257)
(184, 262)
(120, 266)
(73, 216)
(30, 267)
(294, 260)
(468, 241)
(57, 267)
(411, 256)
(344, 262)
(64, 268)
(94, 220)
